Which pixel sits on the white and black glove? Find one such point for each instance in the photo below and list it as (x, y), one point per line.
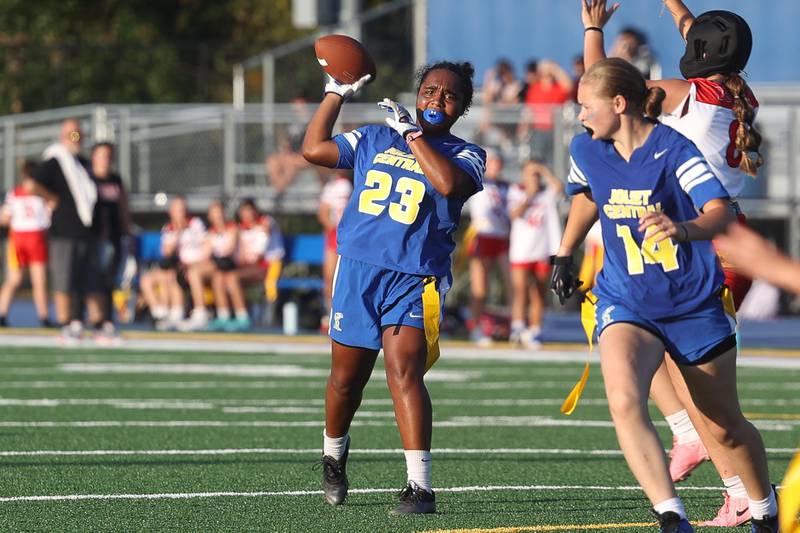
(401, 121)
(345, 90)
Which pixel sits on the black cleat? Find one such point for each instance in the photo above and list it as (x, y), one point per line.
(670, 522)
(768, 524)
(334, 477)
(415, 500)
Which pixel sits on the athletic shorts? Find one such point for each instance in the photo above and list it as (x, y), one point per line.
(692, 339)
(75, 265)
(368, 298)
(330, 239)
(735, 280)
(26, 247)
(537, 268)
(485, 246)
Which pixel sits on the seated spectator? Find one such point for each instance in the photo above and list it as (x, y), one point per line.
(28, 216)
(535, 236)
(160, 285)
(631, 45)
(335, 195)
(195, 261)
(552, 88)
(223, 240)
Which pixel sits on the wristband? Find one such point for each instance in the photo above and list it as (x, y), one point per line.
(685, 233)
(593, 28)
(413, 135)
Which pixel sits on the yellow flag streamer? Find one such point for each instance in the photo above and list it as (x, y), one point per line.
(589, 324)
(271, 280)
(789, 500)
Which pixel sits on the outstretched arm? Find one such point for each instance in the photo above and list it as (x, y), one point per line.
(681, 15)
(594, 16)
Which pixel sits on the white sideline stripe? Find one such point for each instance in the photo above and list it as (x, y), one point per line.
(455, 422)
(316, 451)
(192, 495)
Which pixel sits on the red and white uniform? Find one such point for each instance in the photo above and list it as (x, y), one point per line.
(29, 218)
(489, 218)
(191, 241)
(223, 242)
(536, 234)
(260, 243)
(335, 194)
(706, 117)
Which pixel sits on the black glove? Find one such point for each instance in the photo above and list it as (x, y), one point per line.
(564, 281)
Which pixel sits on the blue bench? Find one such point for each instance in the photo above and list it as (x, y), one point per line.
(306, 249)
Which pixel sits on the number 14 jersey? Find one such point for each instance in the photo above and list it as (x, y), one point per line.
(395, 218)
(666, 174)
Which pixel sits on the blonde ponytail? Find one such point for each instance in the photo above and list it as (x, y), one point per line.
(748, 139)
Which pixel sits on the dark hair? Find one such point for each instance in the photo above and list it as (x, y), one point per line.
(532, 65)
(104, 144)
(635, 33)
(748, 139)
(464, 71)
(615, 76)
(28, 168)
(248, 202)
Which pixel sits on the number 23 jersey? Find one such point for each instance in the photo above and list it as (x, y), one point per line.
(395, 218)
(667, 174)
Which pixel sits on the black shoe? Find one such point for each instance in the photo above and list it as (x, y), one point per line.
(415, 500)
(45, 323)
(3, 322)
(670, 522)
(768, 524)
(334, 477)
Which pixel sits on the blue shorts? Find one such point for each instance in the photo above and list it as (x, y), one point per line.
(369, 298)
(691, 339)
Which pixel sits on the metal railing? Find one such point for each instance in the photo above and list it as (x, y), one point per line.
(211, 151)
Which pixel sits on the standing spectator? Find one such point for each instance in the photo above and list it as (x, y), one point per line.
(488, 243)
(501, 89)
(285, 163)
(631, 45)
(552, 88)
(335, 195)
(112, 225)
(535, 236)
(531, 72)
(73, 257)
(578, 69)
(28, 217)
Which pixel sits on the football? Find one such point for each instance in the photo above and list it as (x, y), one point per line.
(344, 58)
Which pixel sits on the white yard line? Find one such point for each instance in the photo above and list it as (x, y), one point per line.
(316, 452)
(262, 494)
(454, 422)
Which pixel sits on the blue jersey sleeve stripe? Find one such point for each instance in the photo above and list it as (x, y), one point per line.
(580, 175)
(573, 177)
(687, 165)
(352, 138)
(697, 181)
(474, 161)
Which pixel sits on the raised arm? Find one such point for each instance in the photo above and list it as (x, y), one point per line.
(594, 16)
(681, 15)
(318, 148)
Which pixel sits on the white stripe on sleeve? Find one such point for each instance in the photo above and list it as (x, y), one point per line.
(688, 164)
(474, 160)
(575, 174)
(697, 181)
(352, 138)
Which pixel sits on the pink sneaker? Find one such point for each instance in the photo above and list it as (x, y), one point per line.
(685, 457)
(734, 512)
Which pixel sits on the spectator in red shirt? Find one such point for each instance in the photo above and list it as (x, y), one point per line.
(552, 88)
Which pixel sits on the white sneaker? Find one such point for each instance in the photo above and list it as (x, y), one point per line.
(107, 335)
(531, 340)
(71, 334)
(198, 320)
(479, 337)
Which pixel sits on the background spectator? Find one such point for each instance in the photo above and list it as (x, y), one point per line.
(73, 257)
(631, 45)
(535, 236)
(222, 239)
(551, 89)
(112, 226)
(335, 194)
(28, 216)
(501, 88)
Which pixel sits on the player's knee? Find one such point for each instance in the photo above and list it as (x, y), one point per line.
(625, 405)
(344, 384)
(730, 431)
(403, 378)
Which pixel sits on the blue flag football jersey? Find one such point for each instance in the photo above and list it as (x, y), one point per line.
(395, 218)
(668, 174)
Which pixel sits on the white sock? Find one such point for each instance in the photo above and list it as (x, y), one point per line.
(761, 509)
(734, 487)
(535, 331)
(200, 313)
(176, 314)
(335, 446)
(160, 312)
(242, 314)
(673, 504)
(682, 427)
(223, 313)
(517, 325)
(418, 467)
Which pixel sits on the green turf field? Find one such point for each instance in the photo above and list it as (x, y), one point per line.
(129, 440)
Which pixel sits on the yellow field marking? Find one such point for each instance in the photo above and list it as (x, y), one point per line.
(772, 416)
(533, 529)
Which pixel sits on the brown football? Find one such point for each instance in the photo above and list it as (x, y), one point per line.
(344, 58)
